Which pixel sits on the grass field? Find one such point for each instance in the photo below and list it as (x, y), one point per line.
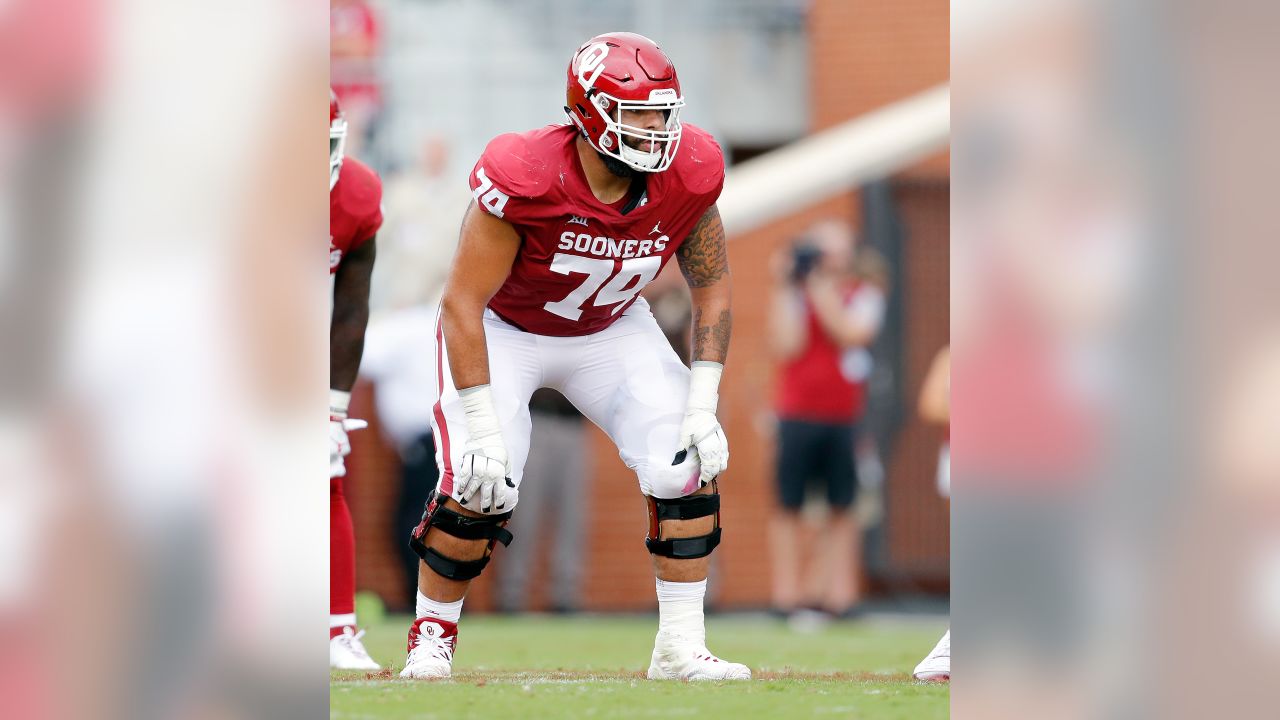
(593, 667)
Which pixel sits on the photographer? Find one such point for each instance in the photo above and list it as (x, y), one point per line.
(828, 303)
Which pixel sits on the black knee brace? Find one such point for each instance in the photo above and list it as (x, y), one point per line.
(489, 527)
(685, 508)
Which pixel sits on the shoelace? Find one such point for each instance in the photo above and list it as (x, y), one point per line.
(441, 648)
(353, 644)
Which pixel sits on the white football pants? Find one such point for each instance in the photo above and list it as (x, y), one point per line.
(625, 378)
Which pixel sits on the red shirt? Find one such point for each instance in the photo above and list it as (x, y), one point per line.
(355, 210)
(815, 384)
(582, 262)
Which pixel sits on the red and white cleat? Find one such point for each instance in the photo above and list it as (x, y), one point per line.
(431, 645)
(677, 658)
(936, 667)
(346, 652)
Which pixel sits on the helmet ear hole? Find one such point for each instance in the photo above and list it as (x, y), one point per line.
(582, 111)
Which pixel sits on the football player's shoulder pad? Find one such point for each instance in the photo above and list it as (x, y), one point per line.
(524, 164)
(699, 163)
(360, 187)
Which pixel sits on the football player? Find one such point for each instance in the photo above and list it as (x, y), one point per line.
(355, 196)
(568, 224)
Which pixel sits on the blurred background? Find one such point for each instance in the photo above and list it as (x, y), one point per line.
(792, 89)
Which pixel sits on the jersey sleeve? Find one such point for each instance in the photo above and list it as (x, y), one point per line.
(372, 224)
(510, 179)
(702, 173)
(366, 203)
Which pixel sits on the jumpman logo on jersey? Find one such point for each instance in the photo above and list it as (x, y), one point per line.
(655, 229)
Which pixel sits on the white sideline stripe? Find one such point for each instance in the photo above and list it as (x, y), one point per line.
(836, 160)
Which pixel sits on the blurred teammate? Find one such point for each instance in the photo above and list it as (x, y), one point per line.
(935, 406)
(354, 217)
(355, 44)
(569, 223)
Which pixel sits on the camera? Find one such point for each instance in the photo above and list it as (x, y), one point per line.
(805, 256)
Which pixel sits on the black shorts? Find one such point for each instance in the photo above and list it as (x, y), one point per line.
(818, 453)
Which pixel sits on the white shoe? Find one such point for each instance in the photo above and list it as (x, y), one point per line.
(346, 652)
(936, 667)
(677, 658)
(431, 645)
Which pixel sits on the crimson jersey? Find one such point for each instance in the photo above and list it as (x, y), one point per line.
(582, 262)
(355, 210)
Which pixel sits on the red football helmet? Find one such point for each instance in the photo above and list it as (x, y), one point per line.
(625, 71)
(337, 138)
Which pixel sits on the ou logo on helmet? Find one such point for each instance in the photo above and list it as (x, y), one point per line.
(592, 65)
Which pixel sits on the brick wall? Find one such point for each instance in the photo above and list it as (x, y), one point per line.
(917, 522)
(868, 53)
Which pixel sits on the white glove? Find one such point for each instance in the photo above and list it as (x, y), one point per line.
(339, 426)
(700, 429)
(483, 480)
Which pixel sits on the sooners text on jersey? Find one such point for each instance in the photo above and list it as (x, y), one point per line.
(355, 211)
(581, 261)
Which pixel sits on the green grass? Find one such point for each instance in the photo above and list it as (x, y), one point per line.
(593, 667)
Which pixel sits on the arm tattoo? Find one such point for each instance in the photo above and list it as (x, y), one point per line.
(711, 341)
(702, 256)
(705, 263)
